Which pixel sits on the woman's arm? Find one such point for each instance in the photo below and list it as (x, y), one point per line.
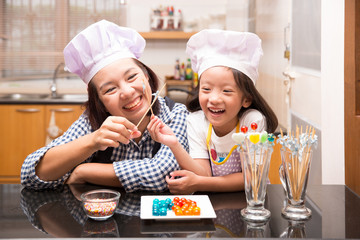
(95, 173)
(63, 158)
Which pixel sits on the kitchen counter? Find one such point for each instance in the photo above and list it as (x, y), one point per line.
(40, 214)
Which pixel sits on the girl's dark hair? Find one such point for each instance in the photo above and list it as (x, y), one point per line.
(250, 92)
(96, 110)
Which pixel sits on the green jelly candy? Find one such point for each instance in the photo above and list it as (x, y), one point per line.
(263, 137)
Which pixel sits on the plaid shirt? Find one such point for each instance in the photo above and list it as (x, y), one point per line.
(133, 163)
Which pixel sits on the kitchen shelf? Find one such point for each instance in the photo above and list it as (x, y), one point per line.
(167, 35)
(170, 83)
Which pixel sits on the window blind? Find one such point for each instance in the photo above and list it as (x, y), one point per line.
(33, 33)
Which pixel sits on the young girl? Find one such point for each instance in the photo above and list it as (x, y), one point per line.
(226, 100)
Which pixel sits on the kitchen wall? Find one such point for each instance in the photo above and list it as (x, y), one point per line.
(315, 99)
(198, 14)
(332, 91)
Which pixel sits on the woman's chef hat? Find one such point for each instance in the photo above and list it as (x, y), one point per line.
(99, 45)
(213, 47)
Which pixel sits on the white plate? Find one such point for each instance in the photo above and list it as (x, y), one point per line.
(203, 201)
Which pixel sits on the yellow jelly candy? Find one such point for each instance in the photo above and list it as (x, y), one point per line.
(254, 138)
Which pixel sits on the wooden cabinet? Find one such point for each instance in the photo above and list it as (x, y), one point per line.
(23, 130)
(65, 115)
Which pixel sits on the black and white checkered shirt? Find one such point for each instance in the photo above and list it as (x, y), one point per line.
(133, 163)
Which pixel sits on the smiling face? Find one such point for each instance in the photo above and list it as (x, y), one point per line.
(120, 88)
(221, 99)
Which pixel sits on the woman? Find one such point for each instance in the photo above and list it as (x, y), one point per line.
(109, 144)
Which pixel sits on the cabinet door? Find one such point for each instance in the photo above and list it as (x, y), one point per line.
(61, 116)
(21, 133)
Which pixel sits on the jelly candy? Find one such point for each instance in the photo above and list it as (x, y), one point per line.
(271, 137)
(244, 129)
(238, 137)
(254, 138)
(263, 137)
(180, 206)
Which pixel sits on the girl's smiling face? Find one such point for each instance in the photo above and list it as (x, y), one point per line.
(120, 88)
(221, 99)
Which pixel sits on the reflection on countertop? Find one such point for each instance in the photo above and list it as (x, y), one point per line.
(26, 213)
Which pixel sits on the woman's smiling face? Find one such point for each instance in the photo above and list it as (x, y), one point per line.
(221, 99)
(120, 88)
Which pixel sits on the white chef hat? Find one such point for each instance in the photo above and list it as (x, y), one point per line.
(99, 45)
(213, 47)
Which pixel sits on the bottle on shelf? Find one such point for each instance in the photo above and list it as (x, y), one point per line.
(178, 20)
(182, 71)
(195, 80)
(177, 70)
(188, 71)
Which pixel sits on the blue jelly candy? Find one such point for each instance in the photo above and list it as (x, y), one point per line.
(155, 212)
(163, 211)
(162, 203)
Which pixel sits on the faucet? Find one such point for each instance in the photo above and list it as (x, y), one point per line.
(53, 87)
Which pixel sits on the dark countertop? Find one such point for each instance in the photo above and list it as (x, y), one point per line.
(29, 214)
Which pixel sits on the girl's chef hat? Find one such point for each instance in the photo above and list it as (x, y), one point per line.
(99, 45)
(213, 47)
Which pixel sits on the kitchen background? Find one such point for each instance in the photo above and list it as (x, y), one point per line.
(301, 72)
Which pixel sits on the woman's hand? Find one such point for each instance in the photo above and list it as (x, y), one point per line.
(183, 185)
(95, 173)
(113, 131)
(75, 177)
(161, 132)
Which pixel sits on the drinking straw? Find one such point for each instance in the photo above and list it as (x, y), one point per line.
(252, 169)
(262, 166)
(305, 165)
(147, 96)
(150, 107)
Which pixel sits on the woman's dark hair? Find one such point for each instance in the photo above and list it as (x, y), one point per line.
(250, 92)
(96, 110)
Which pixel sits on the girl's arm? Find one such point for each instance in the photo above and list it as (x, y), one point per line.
(162, 133)
(190, 182)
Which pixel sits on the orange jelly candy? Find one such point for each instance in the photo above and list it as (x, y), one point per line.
(185, 207)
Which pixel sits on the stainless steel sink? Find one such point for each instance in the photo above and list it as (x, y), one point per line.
(71, 97)
(43, 98)
(22, 96)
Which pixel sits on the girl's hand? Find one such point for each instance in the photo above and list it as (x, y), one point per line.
(161, 132)
(186, 184)
(113, 131)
